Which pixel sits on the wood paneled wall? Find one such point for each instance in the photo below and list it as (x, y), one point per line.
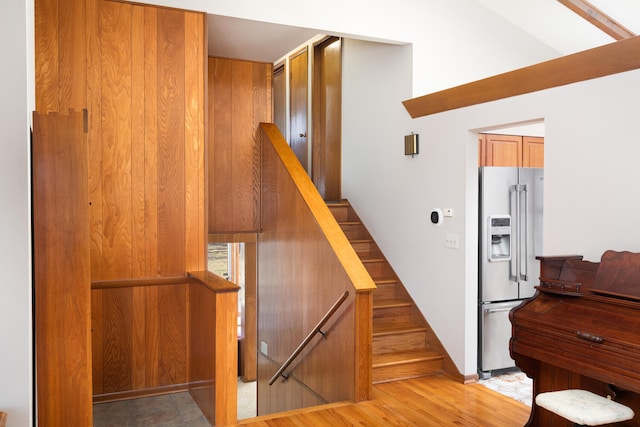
(305, 263)
(60, 54)
(146, 189)
(239, 100)
(140, 73)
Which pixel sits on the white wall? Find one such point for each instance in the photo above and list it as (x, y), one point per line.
(15, 248)
(591, 203)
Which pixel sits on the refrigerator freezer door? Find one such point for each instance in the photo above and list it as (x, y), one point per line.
(497, 277)
(531, 182)
(496, 332)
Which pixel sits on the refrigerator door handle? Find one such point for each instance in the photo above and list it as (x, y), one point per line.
(497, 310)
(523, 236)
(514, 266)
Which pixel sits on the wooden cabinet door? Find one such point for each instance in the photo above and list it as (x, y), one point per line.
(510, 150)
(327, 116)
(504, 150)
(532, 152)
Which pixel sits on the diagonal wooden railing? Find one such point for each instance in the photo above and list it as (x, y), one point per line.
(304, 261)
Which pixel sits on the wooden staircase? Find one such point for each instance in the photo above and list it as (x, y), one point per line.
(404, 345)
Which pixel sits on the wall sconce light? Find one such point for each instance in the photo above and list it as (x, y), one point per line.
(411, 144)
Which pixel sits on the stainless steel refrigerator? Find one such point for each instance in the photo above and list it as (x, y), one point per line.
(510, 238)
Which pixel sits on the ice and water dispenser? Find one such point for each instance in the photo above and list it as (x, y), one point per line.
(499, 238)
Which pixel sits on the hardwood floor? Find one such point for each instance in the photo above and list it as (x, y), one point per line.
(428, 401)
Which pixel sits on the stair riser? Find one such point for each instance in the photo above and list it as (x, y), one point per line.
(407, 370)
(366, 250)
(398, 314)
(384, 291)
(354, 231)
(399, 342)
(340, 212)
(378, 269)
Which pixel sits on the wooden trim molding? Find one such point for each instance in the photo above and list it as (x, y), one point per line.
(598, 18)
(359, 276)
(213, 282)
(601, 61)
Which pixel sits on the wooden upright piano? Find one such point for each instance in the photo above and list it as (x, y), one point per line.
(582, 330)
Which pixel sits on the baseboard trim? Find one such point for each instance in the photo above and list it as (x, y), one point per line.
(135, 394)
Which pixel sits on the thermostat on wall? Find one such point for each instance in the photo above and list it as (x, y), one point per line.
(436, 216)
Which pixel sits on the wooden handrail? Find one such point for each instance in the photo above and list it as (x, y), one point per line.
(207, 279)
(347, 256)
(309, 337)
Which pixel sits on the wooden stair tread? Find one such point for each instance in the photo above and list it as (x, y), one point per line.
(354, 241)
(385, 280)
(389, 328)
(391, 303)
(372, 260)
(408, 356)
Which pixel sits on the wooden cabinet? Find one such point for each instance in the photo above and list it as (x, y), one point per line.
(510, 150)
(532, 151)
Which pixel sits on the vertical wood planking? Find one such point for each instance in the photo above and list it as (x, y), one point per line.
(171, 140)
(151, 141)
(117, 320)
(94, 102)
(137, 142)
(151, 89)
(194, 141)
(262, 112)
(220, 145)
(239, 99)
(47, 47)
(116, 140)
(138, 371)
(172, 344)
(242, 146)
(72, 70)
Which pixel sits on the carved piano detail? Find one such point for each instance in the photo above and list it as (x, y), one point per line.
(582, 330)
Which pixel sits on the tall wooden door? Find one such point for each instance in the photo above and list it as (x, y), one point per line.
(327, 119)
(299, 90)
(61, 270)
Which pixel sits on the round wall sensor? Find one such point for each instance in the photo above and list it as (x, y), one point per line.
(436, 216)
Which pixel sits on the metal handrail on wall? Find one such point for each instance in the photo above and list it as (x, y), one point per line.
(306, 341)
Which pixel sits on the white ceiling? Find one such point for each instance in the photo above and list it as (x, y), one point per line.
(547, 20)
(236, 38)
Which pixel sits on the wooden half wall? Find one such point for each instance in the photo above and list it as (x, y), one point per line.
(305, 263)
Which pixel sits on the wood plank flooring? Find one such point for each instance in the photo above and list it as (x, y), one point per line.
(428, 401)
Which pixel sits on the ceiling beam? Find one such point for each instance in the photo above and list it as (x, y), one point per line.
(601, 61)
(598, 18)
